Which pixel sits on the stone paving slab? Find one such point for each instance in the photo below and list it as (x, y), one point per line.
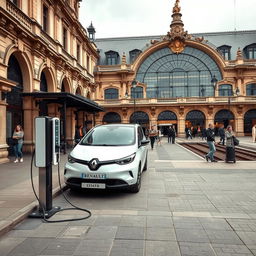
(193, 210)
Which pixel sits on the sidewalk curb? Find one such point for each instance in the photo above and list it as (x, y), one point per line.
(23, 213)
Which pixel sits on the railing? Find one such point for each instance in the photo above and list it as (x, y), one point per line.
(178, 101)
(19, 15)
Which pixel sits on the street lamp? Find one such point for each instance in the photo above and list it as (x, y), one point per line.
(134, 84)
(214, 83)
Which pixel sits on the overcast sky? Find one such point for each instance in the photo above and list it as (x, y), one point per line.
(118, 18)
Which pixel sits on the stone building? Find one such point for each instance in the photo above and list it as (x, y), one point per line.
(180, 79)
(46, 67)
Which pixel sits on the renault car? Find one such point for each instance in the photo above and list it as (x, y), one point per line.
(108, 156)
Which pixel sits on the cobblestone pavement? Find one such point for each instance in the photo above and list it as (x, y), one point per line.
(185, 207)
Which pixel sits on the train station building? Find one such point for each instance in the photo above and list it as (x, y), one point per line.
(51, 65)
(180, 78)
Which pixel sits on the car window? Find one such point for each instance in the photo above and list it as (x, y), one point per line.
(140, 134)
(110, 136)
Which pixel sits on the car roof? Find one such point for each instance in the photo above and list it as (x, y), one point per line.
(118, 124)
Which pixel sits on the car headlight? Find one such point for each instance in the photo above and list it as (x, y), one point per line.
(71, 159)
(126, 160)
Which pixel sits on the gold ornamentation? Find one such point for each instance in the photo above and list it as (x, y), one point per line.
(177, 46)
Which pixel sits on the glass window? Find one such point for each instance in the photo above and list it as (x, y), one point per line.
(137, 92)
(250, 89)
(78, 53)
(187, 74)
(225, 90)
(110, 136)
(64, 39)
(134, 54)
(250, 51)
(224, 50)
(111, 58)
(112, 117)
(111, 94)
(45, 18)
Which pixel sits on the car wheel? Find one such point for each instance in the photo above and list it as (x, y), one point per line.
(136, 187)
(146, 164)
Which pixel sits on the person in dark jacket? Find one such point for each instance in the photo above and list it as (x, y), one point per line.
(222, 135)
(172, 134)
(230, 146)
(211, 143)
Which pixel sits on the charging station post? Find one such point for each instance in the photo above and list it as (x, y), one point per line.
(47, 153)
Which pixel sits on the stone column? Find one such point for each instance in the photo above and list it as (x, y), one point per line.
(181, 127)
(239, 126)
(70, 126)
(3, 145)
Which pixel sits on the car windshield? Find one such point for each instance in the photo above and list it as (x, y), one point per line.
(110, 136)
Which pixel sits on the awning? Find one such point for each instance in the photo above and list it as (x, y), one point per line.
(71, 100)
(66, 100)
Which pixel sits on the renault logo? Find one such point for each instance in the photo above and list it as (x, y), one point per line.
(94, 164)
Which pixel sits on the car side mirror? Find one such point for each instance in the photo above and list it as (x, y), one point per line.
(144, 142)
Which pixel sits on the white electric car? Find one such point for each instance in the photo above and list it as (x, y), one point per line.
(109, 156)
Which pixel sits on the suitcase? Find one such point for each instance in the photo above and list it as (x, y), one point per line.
(230, 154)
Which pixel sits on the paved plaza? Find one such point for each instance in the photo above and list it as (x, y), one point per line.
(186, 207)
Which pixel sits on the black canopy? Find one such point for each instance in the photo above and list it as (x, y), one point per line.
(71, 100)
(66, 100)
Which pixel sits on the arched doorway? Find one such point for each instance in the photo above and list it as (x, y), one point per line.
(249, 121)
(195, 118)
(141, 118)
(165, 119)
(225, 117)
(111, 117)
(14, 111)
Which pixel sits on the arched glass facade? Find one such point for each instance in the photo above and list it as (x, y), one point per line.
(170, 75)
(167, 115)
(249, 120)
(225, 117)
(112, 117)
(195, 118)
(139, 117)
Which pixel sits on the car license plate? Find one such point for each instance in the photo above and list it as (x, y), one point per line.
(96, 176)
(94, 185)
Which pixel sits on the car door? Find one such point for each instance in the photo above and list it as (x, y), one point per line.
(142, 149)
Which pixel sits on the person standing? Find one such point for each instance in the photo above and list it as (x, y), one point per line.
(172, 134)
(254, 133)
(230, 146)
(222, 135)
(17, 137)
(211, 143)
(152, 136)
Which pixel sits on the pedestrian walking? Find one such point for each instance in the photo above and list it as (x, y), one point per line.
(159, 137)
(152, 136)
(79, 134)
(254, 133)
(17, 138)
(211, 143)
(222, 135)
(230, 146)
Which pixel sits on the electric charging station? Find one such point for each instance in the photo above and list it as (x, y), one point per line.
(47, 153)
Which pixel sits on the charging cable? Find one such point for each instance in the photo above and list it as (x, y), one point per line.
(74, 207)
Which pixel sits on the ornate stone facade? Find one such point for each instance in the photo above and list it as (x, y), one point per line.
(45, 41)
